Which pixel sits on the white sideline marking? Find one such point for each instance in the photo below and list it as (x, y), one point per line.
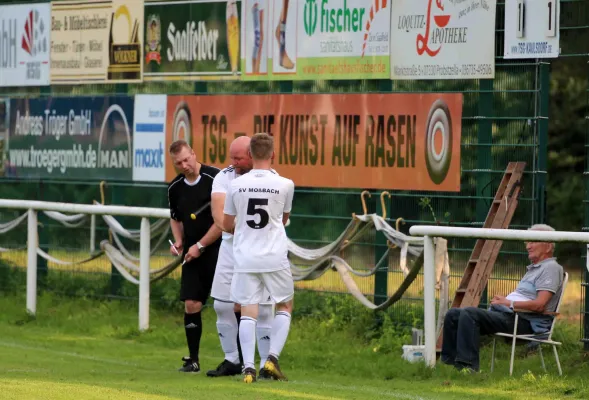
(66, 353)
(357, 389)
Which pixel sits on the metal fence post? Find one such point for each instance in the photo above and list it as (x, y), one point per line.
(429, 300)
(484, 157)
(380, 247)
(544, 100)
(381, 276)
(144, 250)
(116, 279)
(32, 243)
(585, 283)
(585, 305)
(43, 239)
(92, 234)
(285, 86)
(200, 87)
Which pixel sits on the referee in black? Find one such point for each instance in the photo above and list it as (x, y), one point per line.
(196, 239)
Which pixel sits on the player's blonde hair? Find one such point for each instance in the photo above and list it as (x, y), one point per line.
(262, 146)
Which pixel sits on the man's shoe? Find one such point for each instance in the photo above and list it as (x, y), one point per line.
(264, 374)
(190, 365)
(226, 368)
(465, 369)
(249, 375)
(273, 369)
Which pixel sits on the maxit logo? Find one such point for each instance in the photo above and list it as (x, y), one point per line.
(149, 139)
(310, 17)
(150, 158)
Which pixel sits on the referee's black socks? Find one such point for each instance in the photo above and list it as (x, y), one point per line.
(193, 328)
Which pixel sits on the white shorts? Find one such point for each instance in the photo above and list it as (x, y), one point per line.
(221, 289)
(250, 287)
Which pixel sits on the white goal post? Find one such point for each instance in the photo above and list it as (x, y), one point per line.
(97, 209)
(429, 232)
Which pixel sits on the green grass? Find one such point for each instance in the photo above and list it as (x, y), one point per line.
(86, 349)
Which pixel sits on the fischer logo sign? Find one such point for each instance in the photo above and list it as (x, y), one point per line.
(335, 19)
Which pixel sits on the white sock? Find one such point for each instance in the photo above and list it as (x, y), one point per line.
(280, 328)
(227, 328)
(264, 331)
(247, 338)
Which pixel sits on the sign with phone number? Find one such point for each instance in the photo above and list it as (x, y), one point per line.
(449, 39)
(432, 70)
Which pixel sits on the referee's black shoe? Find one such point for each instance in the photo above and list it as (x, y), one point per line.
(226, 368)
(190, 365)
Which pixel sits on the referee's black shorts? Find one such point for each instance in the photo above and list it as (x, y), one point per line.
(198, 274)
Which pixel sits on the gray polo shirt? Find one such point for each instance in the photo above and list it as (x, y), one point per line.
(545, 275)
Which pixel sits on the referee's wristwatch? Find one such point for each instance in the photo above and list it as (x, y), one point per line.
(511, 304)
(201, 248)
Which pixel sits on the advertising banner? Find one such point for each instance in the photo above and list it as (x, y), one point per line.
(96, 41)
(189, 40)
(531, 29)
(149, 138)
(310, 40)
(369, 141)
(4, 115)
(71, 138)
(443, 39)
(24, 44)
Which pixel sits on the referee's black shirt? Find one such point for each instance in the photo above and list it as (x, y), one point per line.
(185, 198)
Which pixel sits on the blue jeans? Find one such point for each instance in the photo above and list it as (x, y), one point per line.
(463, 328)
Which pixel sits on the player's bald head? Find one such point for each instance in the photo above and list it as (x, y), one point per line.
(240, 144)
(239, 154)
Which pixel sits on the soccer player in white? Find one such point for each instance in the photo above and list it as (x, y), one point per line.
(228, 313)
(256, 209)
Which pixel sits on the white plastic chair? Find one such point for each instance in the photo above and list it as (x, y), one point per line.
(540, 338)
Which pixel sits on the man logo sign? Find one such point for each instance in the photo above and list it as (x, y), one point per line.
(438, 156)
(111, 158)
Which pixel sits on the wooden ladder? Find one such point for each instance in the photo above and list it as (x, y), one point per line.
(485, 252)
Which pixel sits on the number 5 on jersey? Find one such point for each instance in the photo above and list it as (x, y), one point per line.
(253, 209)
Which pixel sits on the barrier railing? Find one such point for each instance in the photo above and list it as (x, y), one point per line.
(97, 209)
(430, 232)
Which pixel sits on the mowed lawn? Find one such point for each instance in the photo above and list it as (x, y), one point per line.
(89, 349)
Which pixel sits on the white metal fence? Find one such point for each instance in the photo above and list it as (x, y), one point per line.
(428, 233)
(431, 232)
(144, 213)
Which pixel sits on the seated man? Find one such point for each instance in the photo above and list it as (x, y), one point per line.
(538, 291)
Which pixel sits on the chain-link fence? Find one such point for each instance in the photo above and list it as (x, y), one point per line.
(504, 120)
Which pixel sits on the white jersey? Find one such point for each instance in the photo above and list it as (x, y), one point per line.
(222, 184)
(258, 200)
